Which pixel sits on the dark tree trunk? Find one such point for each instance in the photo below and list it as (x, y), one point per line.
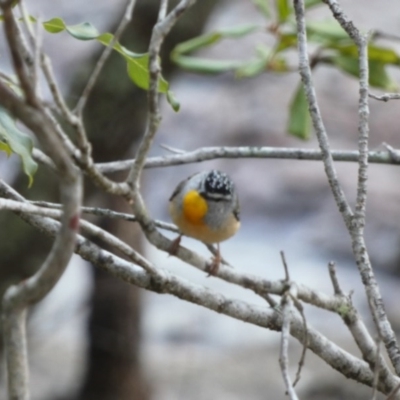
(115, 117)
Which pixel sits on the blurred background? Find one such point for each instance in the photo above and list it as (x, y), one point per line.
(95, 337)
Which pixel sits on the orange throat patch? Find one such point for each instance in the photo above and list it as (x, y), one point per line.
(194, 207)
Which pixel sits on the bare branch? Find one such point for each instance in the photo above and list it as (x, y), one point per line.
(300, 308)
(166, 282)
(103, 212)
(369, 349)
(89, 228)
(21, 58)
(305, 72)
(212, 153)
(357, 223)
(42, 158)
(335, 282)
(257, 284)
(163, 10)
(385, 97)
(160, 30)
(285, 266)
(363, 135)
(14, 332)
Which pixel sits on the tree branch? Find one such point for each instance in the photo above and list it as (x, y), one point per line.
(160, 30)
(166, 282)
(17, 298)
(281, 153)
(356, 227)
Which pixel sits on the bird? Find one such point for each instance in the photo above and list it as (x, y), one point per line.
(205, 206)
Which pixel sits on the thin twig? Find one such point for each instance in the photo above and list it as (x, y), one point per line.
(55, 91)
(159, 33)
(323, 141)
(335, 282)
(172, 149)
(42, 158)
(37, 53)
(369, 348)
(286, 309)
(103, 58)
(118, 244)
(105, 212)
(93, 230)
(377, 34)
(385, 97)
(394, 154)
(285, 266)
(291, 293)
(302, 360)
(36, 42)
(377, 368)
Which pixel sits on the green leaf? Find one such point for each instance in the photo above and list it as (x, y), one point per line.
(375, 53)
(54, 25)
(347, 64)
(252, 67)
(15, 141)
(286, 41)
(326, 32)
(284, 10)
(196, 43)
(6, 148)
(137, 64)
(299, 117)
(378, 76)
(207, 66)
(139, 74)
(263, 6)
(83, 31)
(239, 31)
(172, 101)
(209, 39)
(256, 65)
(383, 55)
(311, 3)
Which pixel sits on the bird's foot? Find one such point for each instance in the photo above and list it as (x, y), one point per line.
(213, 267)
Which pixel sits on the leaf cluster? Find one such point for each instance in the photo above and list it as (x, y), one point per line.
(333, 47)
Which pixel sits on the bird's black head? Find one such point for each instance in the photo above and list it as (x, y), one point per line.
(217, 184)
